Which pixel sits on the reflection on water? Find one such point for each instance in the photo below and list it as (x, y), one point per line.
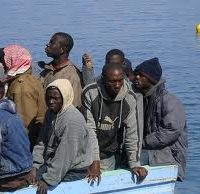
(142, 29)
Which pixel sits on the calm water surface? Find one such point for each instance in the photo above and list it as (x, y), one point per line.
(142, 29)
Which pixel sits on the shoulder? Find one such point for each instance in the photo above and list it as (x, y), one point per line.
(91, 88)
(131, 98)
(172, 103)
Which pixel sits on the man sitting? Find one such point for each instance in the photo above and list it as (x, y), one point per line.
(16, 161)
(64, 149)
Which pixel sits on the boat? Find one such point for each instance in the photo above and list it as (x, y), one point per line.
(160, 180)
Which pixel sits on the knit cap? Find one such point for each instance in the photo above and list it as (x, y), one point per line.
(151, 69)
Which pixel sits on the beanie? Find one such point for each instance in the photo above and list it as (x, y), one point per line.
(151, 69)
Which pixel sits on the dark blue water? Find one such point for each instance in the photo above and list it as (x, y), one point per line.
(142, 29)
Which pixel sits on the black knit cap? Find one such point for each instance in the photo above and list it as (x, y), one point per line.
(151, 69)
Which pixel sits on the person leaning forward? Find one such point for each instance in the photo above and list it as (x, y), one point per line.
(165, 130)
(109, 106)
(61, 67)
(63, 151)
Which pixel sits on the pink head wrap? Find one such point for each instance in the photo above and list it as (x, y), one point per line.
(17, 59)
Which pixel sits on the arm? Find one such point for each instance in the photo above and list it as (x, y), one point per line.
(94, 169)
(39, 148)
(0, 142)
(133, 142)
(172, 122)
(87, 69)
(65, 155)
(86, 101)
(132, 136)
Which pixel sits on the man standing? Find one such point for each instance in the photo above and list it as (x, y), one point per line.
(110, 106)
(61, 67)
(63, 152)
(165, 132)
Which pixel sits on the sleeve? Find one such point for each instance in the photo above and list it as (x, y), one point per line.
(86, 102)
(132, 136)
(88, 75)
(38, 159)
(41, 105)
(172, 122)
(0, 142)
(65, 155)
(76, 85)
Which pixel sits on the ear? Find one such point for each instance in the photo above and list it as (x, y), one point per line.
(63, 50)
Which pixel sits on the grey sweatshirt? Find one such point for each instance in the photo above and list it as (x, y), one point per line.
(127, 117)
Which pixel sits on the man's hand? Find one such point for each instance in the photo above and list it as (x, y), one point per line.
(94, 172)
(140, 172)
(31, 176)
(42, 187)
(87, 61)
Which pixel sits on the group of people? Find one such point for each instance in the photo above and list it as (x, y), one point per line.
(69, 124)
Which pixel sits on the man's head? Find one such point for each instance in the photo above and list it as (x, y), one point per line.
(60, 44)
(115, 56)
(112, 77)
(127, 69)
(59, 95)
(2, 90)
(147, 74)
(15, 59)
(2, 61)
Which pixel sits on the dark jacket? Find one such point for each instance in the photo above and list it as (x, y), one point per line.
(165, 132)
(15, 156)
(105, 119)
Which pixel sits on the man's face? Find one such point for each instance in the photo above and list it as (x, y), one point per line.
(113, 81)
(2, 63)
(54, 100)
(53, 48)
(116, 59)
(141, 82)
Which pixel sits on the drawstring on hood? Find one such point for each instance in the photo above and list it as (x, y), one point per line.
(120, 97)
(66, 91)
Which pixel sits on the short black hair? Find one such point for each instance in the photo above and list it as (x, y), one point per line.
(2, 89)
(127, 66)
(114, 52)
(109, 66)
(67, 40)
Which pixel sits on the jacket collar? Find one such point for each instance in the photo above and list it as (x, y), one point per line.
(50, 66)
(154, 88)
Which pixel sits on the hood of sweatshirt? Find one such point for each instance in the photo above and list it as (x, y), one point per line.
(8, 105)
(119, 97)
(66, 91)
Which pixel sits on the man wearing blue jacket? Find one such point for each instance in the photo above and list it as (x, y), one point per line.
(16, 162)
(165, 131)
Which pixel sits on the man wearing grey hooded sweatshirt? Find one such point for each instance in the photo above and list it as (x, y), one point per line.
(63, 152)
(165, 131)
(109, 106)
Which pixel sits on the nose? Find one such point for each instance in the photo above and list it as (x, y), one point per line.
(47, 45)
(137, 76)
(51, 101)
(117, 84)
